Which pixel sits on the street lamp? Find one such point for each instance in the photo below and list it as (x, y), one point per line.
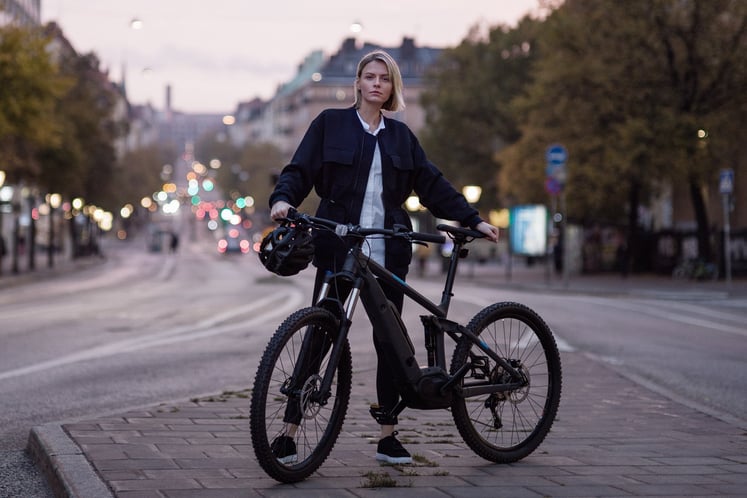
(472, 193)
(3, 200)
(54, 201)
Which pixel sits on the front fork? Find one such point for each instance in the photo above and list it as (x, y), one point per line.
(344, 312)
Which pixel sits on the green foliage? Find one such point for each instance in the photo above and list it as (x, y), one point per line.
(84, 163)
(625, 86)
(469, 117)
(56, 118)
(29, 88)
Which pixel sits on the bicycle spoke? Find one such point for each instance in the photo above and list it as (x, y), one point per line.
(508, 425)
(286, 394)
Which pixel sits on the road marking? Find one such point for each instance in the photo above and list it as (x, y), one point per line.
(660, 313)
(268, 308)
(563, 345)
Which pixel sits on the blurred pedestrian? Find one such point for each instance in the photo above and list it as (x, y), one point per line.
(174, 243)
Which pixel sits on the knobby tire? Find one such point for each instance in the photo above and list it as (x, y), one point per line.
(505, 428)
(320, 424)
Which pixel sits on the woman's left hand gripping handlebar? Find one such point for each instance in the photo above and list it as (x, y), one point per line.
(491, 232)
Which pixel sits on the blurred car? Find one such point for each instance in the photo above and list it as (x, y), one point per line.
(234, 242)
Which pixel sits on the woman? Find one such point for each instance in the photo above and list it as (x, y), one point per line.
(363, 166)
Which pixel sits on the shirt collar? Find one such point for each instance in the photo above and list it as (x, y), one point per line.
(367, 128)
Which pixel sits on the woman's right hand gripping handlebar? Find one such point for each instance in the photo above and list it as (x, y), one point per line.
(280, 210)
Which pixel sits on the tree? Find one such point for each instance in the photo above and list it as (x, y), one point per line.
(467, 102)
(83, 163)
(627, 98)
(30, 85)
(702, 48)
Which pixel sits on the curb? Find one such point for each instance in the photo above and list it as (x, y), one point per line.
(63, 464)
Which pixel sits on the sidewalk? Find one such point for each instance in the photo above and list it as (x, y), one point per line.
(612, 437)
(537, 277)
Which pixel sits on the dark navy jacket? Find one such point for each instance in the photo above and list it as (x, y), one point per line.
(333, 159)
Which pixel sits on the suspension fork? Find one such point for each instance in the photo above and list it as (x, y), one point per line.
(345, 319)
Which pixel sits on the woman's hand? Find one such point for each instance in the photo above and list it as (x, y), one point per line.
(491, 232)
(279, 210)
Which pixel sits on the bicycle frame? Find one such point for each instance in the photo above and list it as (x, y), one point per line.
(425, 388)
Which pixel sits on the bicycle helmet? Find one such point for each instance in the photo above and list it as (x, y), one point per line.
(286, 250)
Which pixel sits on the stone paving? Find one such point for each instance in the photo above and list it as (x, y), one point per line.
(611, 438)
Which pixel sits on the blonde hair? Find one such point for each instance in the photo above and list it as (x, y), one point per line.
(396, 100)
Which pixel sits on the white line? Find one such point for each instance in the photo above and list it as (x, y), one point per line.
(270, 307)
(563, 345)
(659, 313)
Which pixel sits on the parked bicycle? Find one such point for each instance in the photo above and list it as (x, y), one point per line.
(503, 385)
(695, 269)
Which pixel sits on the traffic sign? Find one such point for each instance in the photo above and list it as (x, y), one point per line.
(556, 172)
(556, 155)
(553, 186)
(726, 181)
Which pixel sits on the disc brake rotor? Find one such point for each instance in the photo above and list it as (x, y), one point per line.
(309, 407)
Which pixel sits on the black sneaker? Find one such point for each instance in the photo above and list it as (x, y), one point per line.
(390, 450)
(284, 449)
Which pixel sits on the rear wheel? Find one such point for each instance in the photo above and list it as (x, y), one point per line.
(506, 426)
(287, 390)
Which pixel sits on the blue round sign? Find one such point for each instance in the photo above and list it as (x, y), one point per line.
(556, 155)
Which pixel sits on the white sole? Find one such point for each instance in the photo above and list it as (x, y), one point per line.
(386, 458)
(288, 459)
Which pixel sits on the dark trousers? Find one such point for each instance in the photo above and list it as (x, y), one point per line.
(316, 346)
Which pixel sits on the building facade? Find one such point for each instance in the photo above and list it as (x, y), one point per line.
(20, 12)
(322, 83)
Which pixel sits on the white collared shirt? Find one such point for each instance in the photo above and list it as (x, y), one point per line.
(372, 213)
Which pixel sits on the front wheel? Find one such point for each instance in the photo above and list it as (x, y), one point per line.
(506, 426)
(287, 400)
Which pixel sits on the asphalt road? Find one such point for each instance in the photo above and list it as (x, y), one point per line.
(144, 328)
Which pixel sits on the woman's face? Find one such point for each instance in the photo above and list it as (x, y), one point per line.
(374, 83)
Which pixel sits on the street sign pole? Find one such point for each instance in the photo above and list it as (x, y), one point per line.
(727, 240)
(556, 157)
(566, 253)
(549, 258)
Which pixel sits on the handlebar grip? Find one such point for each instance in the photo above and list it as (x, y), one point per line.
(428, 237)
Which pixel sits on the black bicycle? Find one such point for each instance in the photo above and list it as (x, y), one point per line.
(503, 385)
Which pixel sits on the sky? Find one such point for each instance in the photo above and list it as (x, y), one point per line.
(217, 53)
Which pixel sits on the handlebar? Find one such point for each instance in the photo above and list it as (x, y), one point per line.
(345, 230)
(460, 232)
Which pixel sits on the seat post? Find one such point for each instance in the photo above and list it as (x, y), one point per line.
(451, 275)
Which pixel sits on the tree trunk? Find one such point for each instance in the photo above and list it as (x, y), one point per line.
(634, 200)
(701, 219)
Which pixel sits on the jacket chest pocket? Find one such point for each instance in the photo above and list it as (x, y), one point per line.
(337, 171)
(401, 182)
